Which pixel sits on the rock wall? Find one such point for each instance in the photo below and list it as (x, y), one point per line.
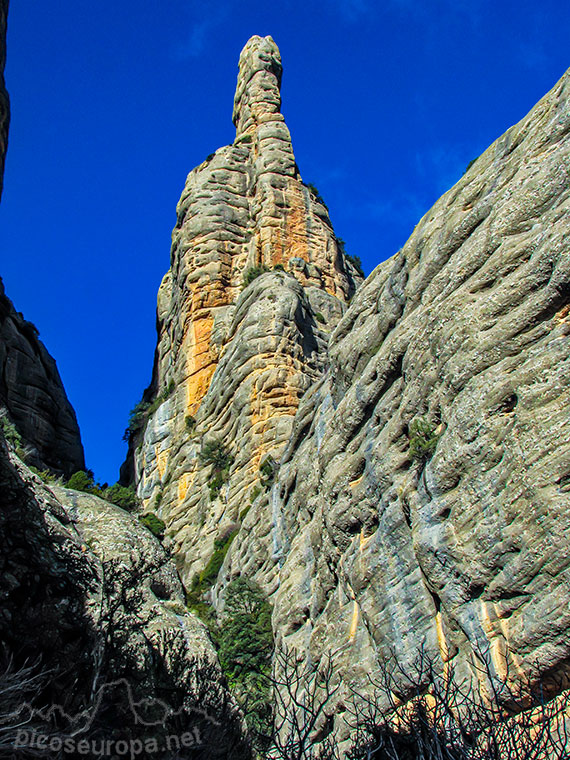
(32, 393)
(402, 483)
(232, 363)
(462, 552)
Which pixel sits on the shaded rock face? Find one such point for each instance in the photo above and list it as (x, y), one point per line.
(464, 553)
(32, 393)
(232, 363)
(91, 597)
(4, 100)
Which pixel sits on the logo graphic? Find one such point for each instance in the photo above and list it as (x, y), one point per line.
(53, 728)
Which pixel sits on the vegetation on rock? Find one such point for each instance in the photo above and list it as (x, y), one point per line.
(245, 648)
(215, 453)
(267, 471)
(140, 414)
(10, 432)
(252, 273)
(122, 496)
(84, 480)
(423, 439)
(154, 524)
(209, 574)
(356, 263)
(316, 195)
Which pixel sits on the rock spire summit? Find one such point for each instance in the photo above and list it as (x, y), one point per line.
(258, 97)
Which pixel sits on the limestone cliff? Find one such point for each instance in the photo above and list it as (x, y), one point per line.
(32, 393)
(423, 500)
(231, 362)
(399, 484)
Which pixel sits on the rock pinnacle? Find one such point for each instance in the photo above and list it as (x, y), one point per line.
(258, 99)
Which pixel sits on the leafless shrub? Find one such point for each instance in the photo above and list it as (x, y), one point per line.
(429, 715)
(302, 709)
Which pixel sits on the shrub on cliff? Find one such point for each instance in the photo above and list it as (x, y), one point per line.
(10, 432)
(122, 496)
(84, 480)
(245, 650)
(316, 195)
(251, 273)
(423, 439)
(216, 454)
(209, 574)
(154, 524)
(267, 471)
(356, 263)
(139, 414)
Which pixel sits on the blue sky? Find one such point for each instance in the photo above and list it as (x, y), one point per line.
(113, 103)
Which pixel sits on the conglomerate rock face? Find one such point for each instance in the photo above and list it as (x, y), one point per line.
(32, 394)
(464, 553)
(402, 484)
(231, 364)
(93, 602)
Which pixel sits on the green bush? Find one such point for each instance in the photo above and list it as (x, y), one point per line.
(267, 471)
(216, 454)
(84, 480)
(209, 574)
(423, 439)
(251, 273)
(246, 635)
(139, 414)
(45, 475)
(470, 164)
(190, 423)
(316, 195)
(243, 514)
(122, 496)
(154, 524)
(245, 642)
(137, 420)
(255, 491)
(278, 268)
(215, 484)
(319, 317)
(10, 432)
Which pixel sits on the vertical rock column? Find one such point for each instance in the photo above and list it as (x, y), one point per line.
(244, 206)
